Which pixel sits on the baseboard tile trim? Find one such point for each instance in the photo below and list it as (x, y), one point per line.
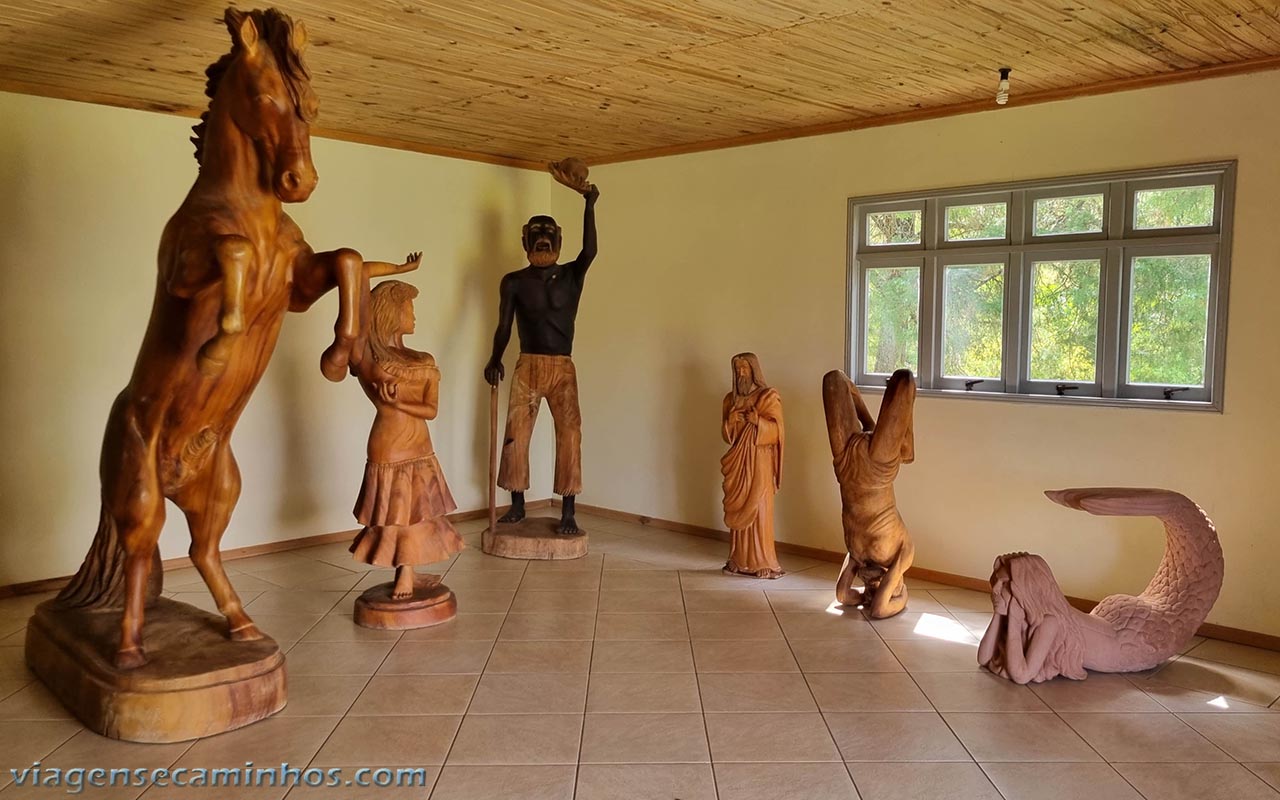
(266, 548)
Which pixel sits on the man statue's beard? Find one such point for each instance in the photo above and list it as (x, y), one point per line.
(543, 258)
(746, 386)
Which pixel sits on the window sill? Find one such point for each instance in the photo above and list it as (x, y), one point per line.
(1053, 400)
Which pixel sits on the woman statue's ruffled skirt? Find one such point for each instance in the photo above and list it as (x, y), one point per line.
(403, 508)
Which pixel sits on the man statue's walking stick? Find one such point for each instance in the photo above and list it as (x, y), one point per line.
(493, 459)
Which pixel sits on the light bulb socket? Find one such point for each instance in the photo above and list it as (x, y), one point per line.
(1002, 89)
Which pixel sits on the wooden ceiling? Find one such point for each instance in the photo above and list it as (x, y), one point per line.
(524, 81)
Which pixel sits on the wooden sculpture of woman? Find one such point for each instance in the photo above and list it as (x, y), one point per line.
(752, 469)
(404, 498)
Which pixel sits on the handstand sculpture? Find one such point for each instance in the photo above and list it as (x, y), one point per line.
(867, 453)
(1036, 635)
(231, 263)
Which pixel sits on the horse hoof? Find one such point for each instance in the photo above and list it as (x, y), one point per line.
(333, 364)
(246, 633)
(131, 658)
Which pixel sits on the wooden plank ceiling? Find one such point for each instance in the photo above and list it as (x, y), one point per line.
(519, 81)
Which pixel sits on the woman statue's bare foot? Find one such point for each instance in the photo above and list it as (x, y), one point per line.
(403, 589)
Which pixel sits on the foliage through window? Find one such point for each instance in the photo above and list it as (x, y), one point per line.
(893, 318)
(1104, 287)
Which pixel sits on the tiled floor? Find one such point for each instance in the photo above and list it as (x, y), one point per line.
(642, 673)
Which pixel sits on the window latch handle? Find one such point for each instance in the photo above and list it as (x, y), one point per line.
(1171, 391)
(1063, 388)
(969, 384)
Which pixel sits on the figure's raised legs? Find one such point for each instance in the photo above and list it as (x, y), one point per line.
(208, 501)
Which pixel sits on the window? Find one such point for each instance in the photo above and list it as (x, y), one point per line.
(1104, 288)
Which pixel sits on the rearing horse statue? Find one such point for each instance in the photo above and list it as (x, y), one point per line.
(231, 263)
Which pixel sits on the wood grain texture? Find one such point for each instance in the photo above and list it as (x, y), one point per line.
(534, 539)
(199, 682)
(431, 604)
(520, 82)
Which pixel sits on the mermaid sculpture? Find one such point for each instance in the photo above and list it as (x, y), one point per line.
(1036, 635)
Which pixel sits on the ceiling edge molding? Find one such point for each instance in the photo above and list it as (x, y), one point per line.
(133, 104)
(957, 109)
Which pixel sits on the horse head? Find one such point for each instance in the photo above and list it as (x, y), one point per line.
(264, 88)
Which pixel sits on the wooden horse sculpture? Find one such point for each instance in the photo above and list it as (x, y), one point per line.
(231, 264)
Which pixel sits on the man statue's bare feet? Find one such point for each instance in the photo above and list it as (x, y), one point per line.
(516, 512)
(403, 589)
(568, 524)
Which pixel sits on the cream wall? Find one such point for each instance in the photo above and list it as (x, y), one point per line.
(84, 193)
(706, 255)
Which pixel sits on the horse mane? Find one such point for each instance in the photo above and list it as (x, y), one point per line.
(276, 31)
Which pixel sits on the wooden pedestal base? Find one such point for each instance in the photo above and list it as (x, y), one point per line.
(197, 682)
(431, 604)
(533, 538)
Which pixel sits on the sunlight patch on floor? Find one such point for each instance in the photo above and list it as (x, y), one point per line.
(948, 630)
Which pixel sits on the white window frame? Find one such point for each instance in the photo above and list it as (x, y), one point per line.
(1059, 388)
(953, 258)
(1032, 195)
(880, 208)
(1115, 245)
(1173, 182)
(891, 261)
(939, 208)
(1156, 391)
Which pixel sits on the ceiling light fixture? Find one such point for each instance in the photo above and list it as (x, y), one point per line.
(1002, 90)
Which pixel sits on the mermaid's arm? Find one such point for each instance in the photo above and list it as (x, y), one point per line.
(1025, 664)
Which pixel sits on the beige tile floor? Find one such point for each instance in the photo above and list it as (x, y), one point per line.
(642, 673)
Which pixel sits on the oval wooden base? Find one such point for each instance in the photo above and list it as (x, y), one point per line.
(431, 604)
(533, 538)
(197, 682)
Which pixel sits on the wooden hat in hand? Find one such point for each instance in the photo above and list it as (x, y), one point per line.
(572, 172)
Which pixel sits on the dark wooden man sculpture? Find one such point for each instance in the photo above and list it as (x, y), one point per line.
(231, 263)
(542, 299)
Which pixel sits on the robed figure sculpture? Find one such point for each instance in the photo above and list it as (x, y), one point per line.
(751, 422)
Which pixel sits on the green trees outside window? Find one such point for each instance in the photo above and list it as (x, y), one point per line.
(1102, 286)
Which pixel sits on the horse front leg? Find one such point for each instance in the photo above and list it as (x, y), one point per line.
(234, 257)
(347, 268)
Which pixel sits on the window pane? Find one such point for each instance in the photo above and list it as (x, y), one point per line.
(1180, 207)
(1169, 319)
(983, 221)
(1055, 216)
(1064, 320)
(893, 319)
(973, 320)
(893, 227)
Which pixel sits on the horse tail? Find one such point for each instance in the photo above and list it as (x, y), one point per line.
(99, 583)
